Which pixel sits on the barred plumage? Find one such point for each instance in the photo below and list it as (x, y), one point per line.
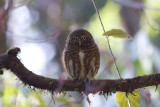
(81, 55)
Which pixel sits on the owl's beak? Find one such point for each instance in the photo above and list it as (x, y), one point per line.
(79, 42)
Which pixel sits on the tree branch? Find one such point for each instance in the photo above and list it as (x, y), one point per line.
(10, 61)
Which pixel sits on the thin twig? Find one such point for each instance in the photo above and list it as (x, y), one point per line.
(52, 96)
(107, 39)
(148, 22)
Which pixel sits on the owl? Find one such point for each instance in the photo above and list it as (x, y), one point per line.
(81, 55)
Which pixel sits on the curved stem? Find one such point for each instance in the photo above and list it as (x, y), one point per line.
(107, 38)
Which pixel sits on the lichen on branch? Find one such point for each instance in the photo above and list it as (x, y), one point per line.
(10, 61)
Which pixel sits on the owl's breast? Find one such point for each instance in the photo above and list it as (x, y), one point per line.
(81, 58)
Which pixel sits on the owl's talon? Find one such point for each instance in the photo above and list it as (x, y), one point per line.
(87, 80)
(79, 78)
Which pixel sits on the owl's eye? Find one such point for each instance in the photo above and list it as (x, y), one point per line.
(74, 39)
(83, 38)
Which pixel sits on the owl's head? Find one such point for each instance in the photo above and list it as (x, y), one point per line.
(80, 37)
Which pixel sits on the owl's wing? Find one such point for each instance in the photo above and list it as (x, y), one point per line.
(97, 60)
(92, 62)
(68, 63)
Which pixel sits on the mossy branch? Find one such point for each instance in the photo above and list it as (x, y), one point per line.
(10, 61)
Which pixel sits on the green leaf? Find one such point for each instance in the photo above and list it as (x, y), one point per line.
(133, 99)
(39, 98)
(9, 93)
(62, 99)
(121, 99)
(117, 33)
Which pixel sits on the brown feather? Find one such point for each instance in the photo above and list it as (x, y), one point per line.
(81, 57)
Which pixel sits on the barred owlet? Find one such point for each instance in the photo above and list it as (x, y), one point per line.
(81, 55)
